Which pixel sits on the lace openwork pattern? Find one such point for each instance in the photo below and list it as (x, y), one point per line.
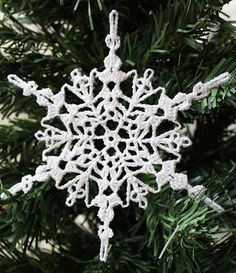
(100, 146)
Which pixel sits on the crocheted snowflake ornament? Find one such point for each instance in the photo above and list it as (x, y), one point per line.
(108, 139)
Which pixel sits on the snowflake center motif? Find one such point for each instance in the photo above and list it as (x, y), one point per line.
(110, 140)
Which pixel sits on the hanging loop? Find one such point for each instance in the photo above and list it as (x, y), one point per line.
(112, 39)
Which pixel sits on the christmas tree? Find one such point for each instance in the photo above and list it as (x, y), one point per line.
(184, 42)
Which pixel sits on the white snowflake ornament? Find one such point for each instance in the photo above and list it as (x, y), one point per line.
(108, 139)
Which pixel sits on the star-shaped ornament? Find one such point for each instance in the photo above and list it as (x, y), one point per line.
(103, 143)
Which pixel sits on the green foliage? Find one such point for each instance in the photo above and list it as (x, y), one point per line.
(185, 42)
